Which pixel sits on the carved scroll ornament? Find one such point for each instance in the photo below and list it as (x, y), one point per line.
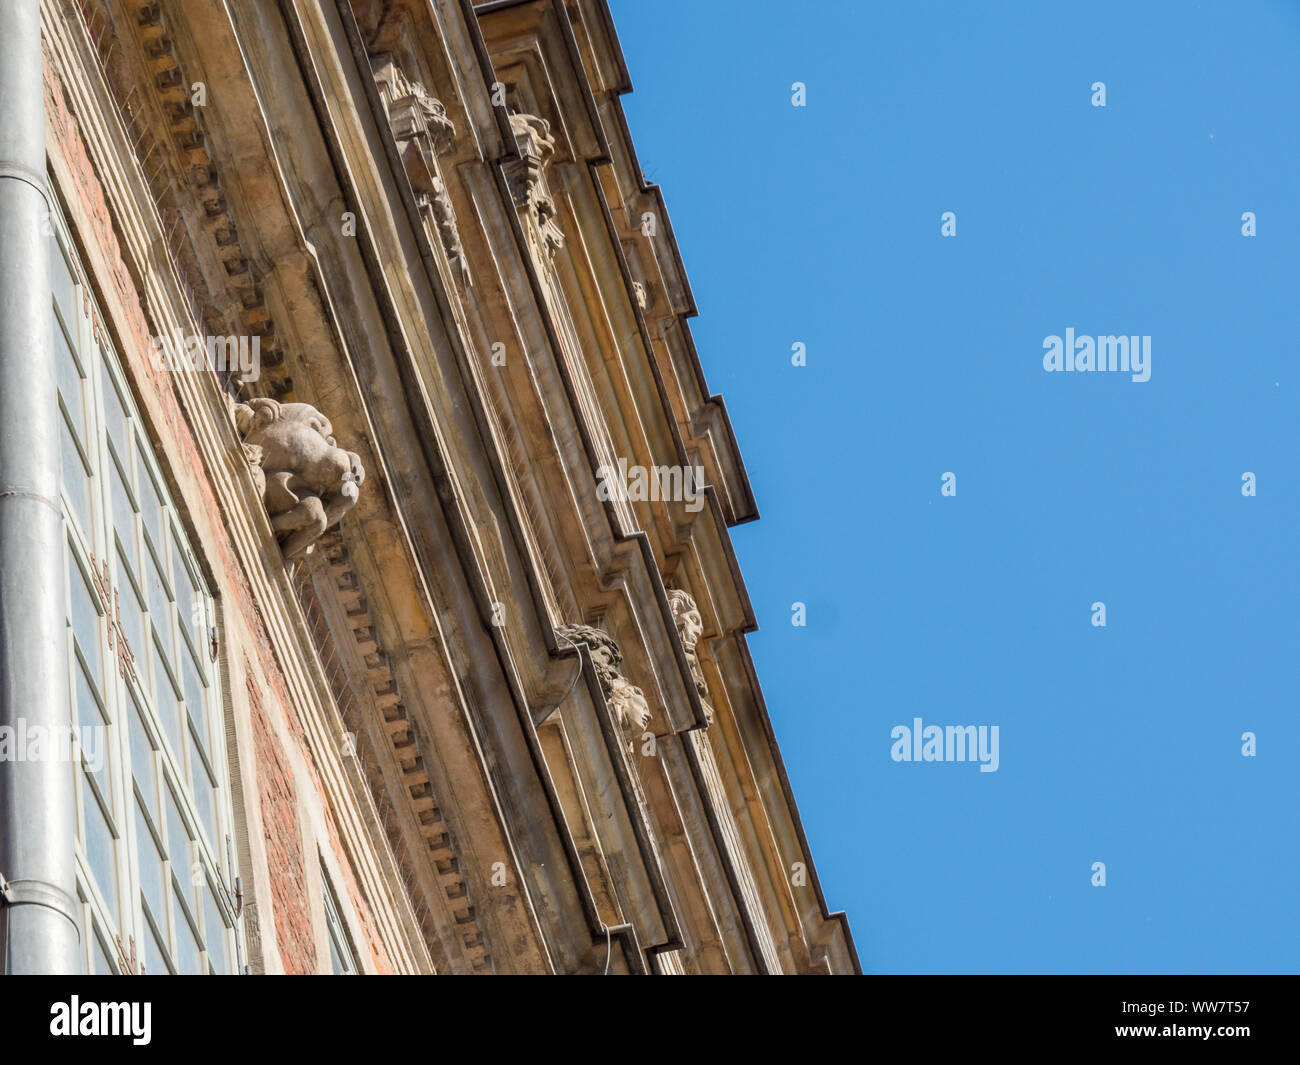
(527, 177)
(422, 132)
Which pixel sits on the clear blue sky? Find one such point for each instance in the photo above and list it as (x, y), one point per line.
(822, 225)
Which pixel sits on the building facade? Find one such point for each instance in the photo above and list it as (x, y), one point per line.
(386, 505)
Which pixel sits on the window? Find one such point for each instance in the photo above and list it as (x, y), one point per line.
(343, 958)
(151, 778)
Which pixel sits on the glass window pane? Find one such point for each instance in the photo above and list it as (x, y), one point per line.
(131, 614)
(189, 611)
(85, 619)
(178, 838)
(63, 284)
(342, 960)
(115, 416)
(204, 797)
(151, 506)
(215, 932)
(92, 731)
(169, 706)
(154, 963)
(103, 960)
(101, 846)
(196, 702)
(143, 761)
(153, 880)
(124, 517)
(188, 962)
(71, 386)
(159, 602)
(76, 479)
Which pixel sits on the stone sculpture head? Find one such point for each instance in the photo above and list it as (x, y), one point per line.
(690, 626)
(629, 705)
(605, 655)
(626, 700)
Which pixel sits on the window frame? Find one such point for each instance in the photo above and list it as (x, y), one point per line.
(342, 951)
(194, 870)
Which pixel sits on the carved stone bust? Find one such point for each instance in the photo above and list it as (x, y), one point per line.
(307, 481)
(690, 626)
(626, 700)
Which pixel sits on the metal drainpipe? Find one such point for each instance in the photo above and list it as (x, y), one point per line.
(38, 906)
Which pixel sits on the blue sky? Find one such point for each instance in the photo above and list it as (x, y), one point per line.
(821, 225)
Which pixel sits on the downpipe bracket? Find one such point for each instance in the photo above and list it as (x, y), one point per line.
(11, 169)
(39, 893)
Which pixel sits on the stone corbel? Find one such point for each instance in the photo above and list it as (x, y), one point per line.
(423, 131)
(306, 480)
(527, 179)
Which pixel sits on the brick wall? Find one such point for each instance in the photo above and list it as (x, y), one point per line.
(288, 873)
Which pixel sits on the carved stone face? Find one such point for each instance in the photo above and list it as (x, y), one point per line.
(625, 699)
(603, 659)
(528, 180)
(629, 705)
(690, 626)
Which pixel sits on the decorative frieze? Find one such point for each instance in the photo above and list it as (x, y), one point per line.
(307, 481)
